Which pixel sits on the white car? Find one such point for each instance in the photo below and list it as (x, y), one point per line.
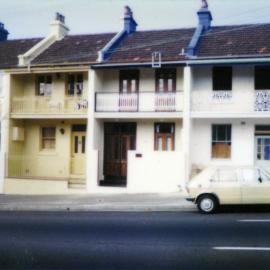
(223, 186)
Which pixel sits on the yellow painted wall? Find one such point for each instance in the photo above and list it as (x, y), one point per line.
(38, 162)
(25, 85)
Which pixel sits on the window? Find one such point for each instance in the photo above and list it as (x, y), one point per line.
(166, 80)
(221, 141)
(75, 84)
(44, 85)
(164, 136)
(48, 137)
(262, 78)
(222, 78)
(129, 81)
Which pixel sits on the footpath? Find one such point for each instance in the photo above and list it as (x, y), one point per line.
(96, 202)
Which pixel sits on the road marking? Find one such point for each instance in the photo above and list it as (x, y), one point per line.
(243, 248)
(254, 220)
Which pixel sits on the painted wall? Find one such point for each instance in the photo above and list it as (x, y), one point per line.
(25, 85)
(110, 80)
(242, 89)
(29, 159)
(242, 151)
(155, 172)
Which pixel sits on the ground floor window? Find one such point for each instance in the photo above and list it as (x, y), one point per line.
(48, 138)
(221, 141)
(262, 133)
(164, 136)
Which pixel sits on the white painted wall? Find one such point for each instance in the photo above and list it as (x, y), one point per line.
(243, 93)
(110, 80)
(242, 152)
(155, 172)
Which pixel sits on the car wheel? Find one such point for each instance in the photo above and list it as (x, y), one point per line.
(207, 204)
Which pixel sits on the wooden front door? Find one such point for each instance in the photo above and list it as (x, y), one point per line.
(119, 139)
(78, 152)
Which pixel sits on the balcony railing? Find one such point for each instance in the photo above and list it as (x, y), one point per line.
(262, 101)
(139, 102)
(48, 105)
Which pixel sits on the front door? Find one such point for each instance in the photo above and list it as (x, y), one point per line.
(78, 152)
(118, 140)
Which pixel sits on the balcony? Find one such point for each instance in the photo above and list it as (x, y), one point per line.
(47, 105)
(139, 102)
(248, 103)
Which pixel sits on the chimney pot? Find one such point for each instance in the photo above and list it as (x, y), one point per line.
(205, 16)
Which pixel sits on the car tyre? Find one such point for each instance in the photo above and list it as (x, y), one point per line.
(207, 204)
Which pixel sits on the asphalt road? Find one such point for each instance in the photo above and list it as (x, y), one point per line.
(148, 240)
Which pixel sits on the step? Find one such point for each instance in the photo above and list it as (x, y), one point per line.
(77, 186)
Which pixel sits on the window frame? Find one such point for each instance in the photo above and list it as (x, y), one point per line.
(48, 85)
(222, 142)
(129, 75)
(48, 138)
(78, 81)
(164, 136)
(166, 73)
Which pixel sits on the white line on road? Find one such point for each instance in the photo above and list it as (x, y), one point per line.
(254, 220)
(243, 248)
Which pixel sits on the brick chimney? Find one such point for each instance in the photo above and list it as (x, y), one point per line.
(58, 26)
(3, 32)
(130, 24)
(205, 16)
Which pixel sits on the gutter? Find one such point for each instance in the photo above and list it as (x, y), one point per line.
(146, 64)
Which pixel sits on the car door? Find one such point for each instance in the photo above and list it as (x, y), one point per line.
(227, 186)
(255, 187)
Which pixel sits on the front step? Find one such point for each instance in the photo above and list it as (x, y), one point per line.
(77, 186)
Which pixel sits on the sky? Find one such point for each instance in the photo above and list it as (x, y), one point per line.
(31, 18)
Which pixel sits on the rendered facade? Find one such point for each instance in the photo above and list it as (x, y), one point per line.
(134, 111)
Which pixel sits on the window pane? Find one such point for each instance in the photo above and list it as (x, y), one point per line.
(125, 86)
(83, 144)
(133, 86)
(161, 85)
(76, 144)
(170, 85)
(168, 143)
(222, 78)
(71, 84)
(159, 146)
(262, 78)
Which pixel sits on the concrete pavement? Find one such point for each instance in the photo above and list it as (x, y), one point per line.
(96, 202)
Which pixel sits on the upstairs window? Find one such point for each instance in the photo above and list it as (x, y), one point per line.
(222, 78)
(75, 84)
(129, 81)
(44, 85)
(221, 141)
(48, 138)
(262, 78)
(166, 80)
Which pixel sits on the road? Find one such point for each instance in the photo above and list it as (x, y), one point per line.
(148, 240)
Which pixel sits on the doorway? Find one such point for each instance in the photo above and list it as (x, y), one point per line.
(78, 139)
(119, 138)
